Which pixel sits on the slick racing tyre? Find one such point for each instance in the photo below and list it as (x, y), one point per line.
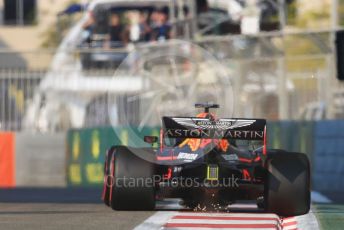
(132, 187)
(107, 179)
(287, 184)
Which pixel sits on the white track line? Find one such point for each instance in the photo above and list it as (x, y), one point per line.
(157, 221)
(307, 222)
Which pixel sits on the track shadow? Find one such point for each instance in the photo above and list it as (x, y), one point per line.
(42, 212)
(176, 205)
(51, 195)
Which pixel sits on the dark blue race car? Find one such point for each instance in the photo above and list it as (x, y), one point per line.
(208, 162)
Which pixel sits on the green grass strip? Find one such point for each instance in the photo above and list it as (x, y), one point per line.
(330, 216)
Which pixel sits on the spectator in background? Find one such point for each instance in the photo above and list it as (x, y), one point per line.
(133, 28)
(161, 29)
(116, 36)
(154, 19)
(137, 28)
(202, 6)
(145, 29)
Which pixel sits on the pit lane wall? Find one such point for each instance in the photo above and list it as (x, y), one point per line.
(323, 141)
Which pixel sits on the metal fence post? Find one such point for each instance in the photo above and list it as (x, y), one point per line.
(283, 98)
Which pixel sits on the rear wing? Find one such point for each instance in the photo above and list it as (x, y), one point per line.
(226, 128)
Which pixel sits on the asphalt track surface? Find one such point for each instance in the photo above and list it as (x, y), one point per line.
(33, 209)
(58, 208)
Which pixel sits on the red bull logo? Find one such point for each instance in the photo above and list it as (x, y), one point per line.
(196, 144)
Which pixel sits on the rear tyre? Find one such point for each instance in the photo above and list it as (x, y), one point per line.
(287, 185)
(107, 178)
(133, 187)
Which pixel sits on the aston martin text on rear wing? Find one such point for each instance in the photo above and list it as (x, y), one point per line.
(225, 128)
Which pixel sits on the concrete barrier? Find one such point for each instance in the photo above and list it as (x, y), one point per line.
(40, 159)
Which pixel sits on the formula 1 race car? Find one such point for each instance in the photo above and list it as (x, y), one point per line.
(208, 162)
